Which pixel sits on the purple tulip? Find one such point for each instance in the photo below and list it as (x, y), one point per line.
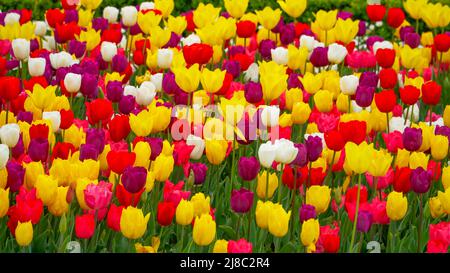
(364, 95)
(96, 137)
(25, 116)
(294, 81)
(265, 47)
(34, 45)
(405, 30)
(287, 34)
(319, 56)
(302, 155)
(134, 179)
(16, 175)
(236, 50)
(12, 64)
(119, 63)
(277, 28)
(156, 145)
(364, 221)
(361, 28)
(18, 150)
(169, 85)
(127, 104)
(306, 212)
(421, 180)
(412, 39)
(199, 170)
(368, 78)
(135, 30)
(241, 200)
(173, 41)
(100, 23)
(181, 97)
(253, 92)
(88, 151)
(344, 15)
(314, 147)
(71, 15)
(412, 139)
(38, 149)
(90, 66)
(232, 67)
(114, 91)
(89, 85)
(248, 168)
(77, 48)
(372, 39)
(443, 131)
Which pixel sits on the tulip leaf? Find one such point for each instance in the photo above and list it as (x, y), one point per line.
(229, 231)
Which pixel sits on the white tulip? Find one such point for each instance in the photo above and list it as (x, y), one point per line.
(415, 113)
(21, 48)
(380, 45)
(146, 5)
(199, 146)
(72, 82)
(349, 84)
(398, 124)
(145, 93)
(252, 73)
(55, 119)
(438, 122)
(9, 134)
(336, 53)
(61, 59)
(190, 40)
(111, 14)
(49, 43)
(270, 116)
(286, 151)
(156, 79)
(357, 109)
(129, 16)
(130, 90)
(40, 29)
(4, 155)
(108, 51)
(267, 153)
(164, 58)
(36, 66)
(307, 41)
(12, 18)
(280, 55)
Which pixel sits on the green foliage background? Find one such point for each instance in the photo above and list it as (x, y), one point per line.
(355, 6)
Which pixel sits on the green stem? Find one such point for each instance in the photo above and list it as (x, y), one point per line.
(356, 214)
(419, 228)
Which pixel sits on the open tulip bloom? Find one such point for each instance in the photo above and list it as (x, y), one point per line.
(225, 129)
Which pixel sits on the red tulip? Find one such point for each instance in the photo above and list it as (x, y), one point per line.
(388, 78)
(68, 4)
(354, 131)
(375, 12)
(126, 198)
(67, 117)
(38, 131)
(84, 226)
(244, 60)
(317, 176)
(119, 127)
(289, 175)
(182, 152)
(395, 17)
(402, 179)
(385, 57)
(66, 32)
(409, 94)
(197, 53)
(166, 212)
(386, 100)
(189, 16)
(29, 84)
(334, 140)
(442, 42)
(25, 16)
(99, 110)
(113, 217)
(27, 208)
(3, 69)
(63, 150)
(245, 29)
(9, 87)
(226, 84)
(54, 17)
(431, 93)
(119, 160)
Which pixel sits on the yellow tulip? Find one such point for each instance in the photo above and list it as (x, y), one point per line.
(32, 171)
(187, 78)
(148, 21)
(177, 24)
(142, 123)
(396, 206)
(236, 8)
(201, 204)
(435, 205)
(205, 14)
(262, 212)
(446, 177)
(326, 20)
(216, 151)
(293, 96)
(148, 249)
(278, 221)
(159, 37)
(85, 17)
(381, 161)
(297, 57)
(226, 28)
(41, 97)
(24, 233)
(163, 115)
(60, 205)
(163, 167)
(185, 212)
(46, 189)
(346, 30)
(402, 159)
(312, 83)
(91, 4)
(268, 17)
(439, 147)
(220, 246)
(446, 116)
(356, 156)
(444, 197)
(4, 202)
(74, 135)
(143, 152)
(133, 224)
(310, 234)
(261, 187)
(415, 8)
(436, 15)
(165, 6)
(323, 100)
(210, 35)
(204, 230)
(342, 103)
(293, 8)
(300, 112)
(273, 83)
(319, 197)
(418, 159)
(212, 81)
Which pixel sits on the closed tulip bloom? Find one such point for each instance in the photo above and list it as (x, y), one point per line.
(420, 180)
(326, 20)
(431, 93)
(187, 78)
(323, 100)
(380, 163)
(412, 138)
(85, 226)
(36, 66)
(365, 220)
(300, 112)
(444, 198)
(293, 8)
(310, 234)
(435, 205)
(204, 230)
(336, 53)
(280, 55)
(185, 212)
(21, 48)
(163, 167)
(60, 204)
(201, 204)
(302, 155)
(261, 186)
(439, 147)
(220, 246)
(253, 92)
(386, 100)
(46, 189)
(108, 51)
(314, 147)
(111, 13)
(364, 95)
(38, 149)
(24, 233)
(356, 156)
(236, 8)
(212, 81)
(267, 153)
(349, 84)
(134, 178)
(285, 151)
(278, 220)
(248, 168)
(216, 151)
(164, 58)
(133, 224)
(241, 200)
(4, 155)
(319, 197)
(306, 212)
(9, 134)
(72, 82)
(165, 213)
(270, 116)
(262, 213)
(319, 56)
(268, 17)
(396, 205)
(129, 15)
(4, 202)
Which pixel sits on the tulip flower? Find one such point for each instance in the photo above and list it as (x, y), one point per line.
(242, 200)
(266, 185)
(185, 213)
(133, 224)
(84, 226)
(204, 230)
(4, 205)
(310, 234)
(278, 220)
(165, 213)
(268, 17)
(326, 20)
(396, 206)
(236, 8)
(24, 233)
(293, 8)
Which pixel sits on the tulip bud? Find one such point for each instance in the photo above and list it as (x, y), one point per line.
(55, 118)
(36, 66)
(396, 206)
(9, 134)
(41, 28)
(164, 58)
(349, 84)
(280, 55)
(21, 48)
(11, 18)
(108, 51)
(111, 14)
(63, 224)
(145, 93)
(129, 16)
(24, 233)
(336, 53)
(72, 82)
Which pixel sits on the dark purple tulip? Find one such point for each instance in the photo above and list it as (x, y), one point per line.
(265, 47)
(90, 66)
(241, 200)
(287, 34)
(294, 81)
(364, 95)
(181, 97)
(421, 180)
(372, 39)
(199, 170)
(443, 131)
(368, 78)
(88, 151)
(344, 15)
(169, 85)
(134, 179)
(34, 44)
(96, 137)
(412, 39)
(61, 73)
(405, 30)
(135, 30)
(89, 85)
(16, 174)
(12, 64)
(38, 149)
(364, 221)
(156, 145)
(2, 18)
(114, 91)
(225, 14)
(70, 15)
(232, 67)
(25, 116)
(100, 23)
(247, 127)
(253, 92)
(314, 147)
(302, 155)
(18, 150)
(173, 41)
(236, 50)
(412, 139)
(306, 212)
(77, 48)
(277, 28)
(75, 68)
(319, 56)
(119, 63)
(361, 28)
(248, 168)
(127, 104)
